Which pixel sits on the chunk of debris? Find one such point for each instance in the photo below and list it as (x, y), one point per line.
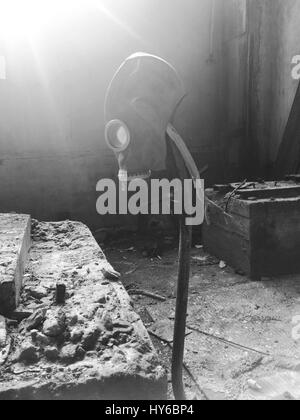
(205, 260)
(254, 385)
(36, 292)
(285, 385)
(51, 353)
(54, 324)
(3, 332)
(76, 335)
(90, 337)
(20, 315)
(36, 319)
(39, 338)
(72, 318)
(111, 274)
(68, 353)
(28, 353)
(222, 265)
(106, 321)
(100, 297)
(4, 351)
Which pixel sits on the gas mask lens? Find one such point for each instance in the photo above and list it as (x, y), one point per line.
(117, 135)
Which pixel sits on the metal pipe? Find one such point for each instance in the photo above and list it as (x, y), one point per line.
(181, 310)
(181, 165)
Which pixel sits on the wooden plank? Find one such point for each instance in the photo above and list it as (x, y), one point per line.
(231, 223)
(275, 238)
(276, 192)
(227, 246)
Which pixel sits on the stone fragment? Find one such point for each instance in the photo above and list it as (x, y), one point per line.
(40, 339)
(123, 326)
(28, 353)
(37, 292)
(12, 323)
(76, 335)
(92, 353)
(254, 385)
(111, 274)
(106, 338)
(36, 319)
(73, 318)
(106, 321)
(90, 310)
(51, 353)
(54, 324)
(80, 353)
(100, 298)
(20, 315)
(68, 353)
(222, 265)
(90, 337)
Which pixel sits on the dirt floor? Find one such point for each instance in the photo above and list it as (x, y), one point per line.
(259, 360)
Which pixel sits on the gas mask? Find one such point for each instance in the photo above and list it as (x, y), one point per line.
(140, 103)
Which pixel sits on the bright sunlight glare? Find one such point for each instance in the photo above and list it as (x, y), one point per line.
(21, 20)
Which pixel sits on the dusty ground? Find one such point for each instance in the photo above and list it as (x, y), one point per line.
(256, 315)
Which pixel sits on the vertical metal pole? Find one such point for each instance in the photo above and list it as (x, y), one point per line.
(181, 310)
(178, 169)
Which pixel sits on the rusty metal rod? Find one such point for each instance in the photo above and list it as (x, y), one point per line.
(179, 169)
(185, 366)
(181, 310)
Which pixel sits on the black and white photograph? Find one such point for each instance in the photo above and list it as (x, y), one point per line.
(149, 203)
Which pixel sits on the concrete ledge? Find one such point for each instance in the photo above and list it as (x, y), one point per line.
(14, 246)
(94, 346)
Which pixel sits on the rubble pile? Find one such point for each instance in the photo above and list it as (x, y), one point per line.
(75, 333)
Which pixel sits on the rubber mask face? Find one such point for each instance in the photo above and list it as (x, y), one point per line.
(140, 102)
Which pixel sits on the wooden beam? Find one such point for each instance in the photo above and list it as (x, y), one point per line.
(288, 159)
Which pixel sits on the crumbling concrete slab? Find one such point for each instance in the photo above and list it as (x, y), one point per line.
(14, 247)
(92, 347)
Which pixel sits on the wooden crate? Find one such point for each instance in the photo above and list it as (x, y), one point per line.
(259, 233)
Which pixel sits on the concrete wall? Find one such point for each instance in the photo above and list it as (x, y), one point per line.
(276, 32)
(52, 150)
